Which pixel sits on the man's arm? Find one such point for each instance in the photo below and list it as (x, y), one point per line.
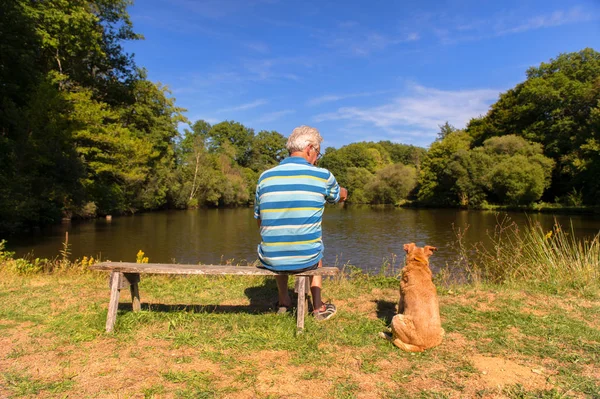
(335, 193)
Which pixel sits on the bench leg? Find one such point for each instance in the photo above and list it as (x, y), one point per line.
(133, 279)
(113, 305)
(302, 283)
(135, 297)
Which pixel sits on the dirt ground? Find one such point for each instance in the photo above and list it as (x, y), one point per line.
(111, 368)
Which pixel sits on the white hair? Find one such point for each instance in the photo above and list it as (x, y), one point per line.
(303, 136)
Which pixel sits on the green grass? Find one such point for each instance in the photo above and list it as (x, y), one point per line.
(23, 384)
(549, 261)
(211, 336)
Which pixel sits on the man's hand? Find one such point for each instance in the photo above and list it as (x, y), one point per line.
(343, 194)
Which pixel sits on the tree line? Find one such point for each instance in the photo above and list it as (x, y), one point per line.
(539, 142)
(83, 133)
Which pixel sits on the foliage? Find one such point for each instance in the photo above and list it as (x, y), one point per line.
(552, 258)
(84, 133)
(374, 172)
(436, 180)
(506, 170)
(558, 106)
(392, 184)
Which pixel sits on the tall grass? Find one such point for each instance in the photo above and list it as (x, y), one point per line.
(553, 258)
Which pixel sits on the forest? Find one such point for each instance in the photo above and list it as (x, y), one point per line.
(85, 133)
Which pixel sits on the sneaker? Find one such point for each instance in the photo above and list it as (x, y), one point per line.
(326, 313)
(282, 309)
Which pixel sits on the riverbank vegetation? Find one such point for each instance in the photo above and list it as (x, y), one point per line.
(522, 323)
(84, 133)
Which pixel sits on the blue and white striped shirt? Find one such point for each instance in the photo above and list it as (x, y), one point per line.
(290, 200)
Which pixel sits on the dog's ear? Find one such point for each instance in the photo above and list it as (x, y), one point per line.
(409, 247)
(428, 249)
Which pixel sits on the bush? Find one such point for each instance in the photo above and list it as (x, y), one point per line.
(551, 258)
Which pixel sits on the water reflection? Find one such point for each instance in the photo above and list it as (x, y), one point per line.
(364, 236)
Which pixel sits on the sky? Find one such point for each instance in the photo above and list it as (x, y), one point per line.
(356, 70)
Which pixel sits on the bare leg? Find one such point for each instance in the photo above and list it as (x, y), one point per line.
(316, 283)
(282, 290)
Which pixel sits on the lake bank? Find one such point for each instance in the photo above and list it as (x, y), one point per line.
(218, 337)
(366, 237)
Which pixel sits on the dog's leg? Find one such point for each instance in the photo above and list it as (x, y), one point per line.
(401, 303)
(404, 330)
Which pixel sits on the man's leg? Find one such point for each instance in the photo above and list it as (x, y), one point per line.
(315, 289)
(282, 290)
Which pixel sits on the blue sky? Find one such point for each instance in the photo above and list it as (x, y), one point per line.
(356, 70)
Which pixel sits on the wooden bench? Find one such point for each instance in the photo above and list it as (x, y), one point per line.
(125, 275)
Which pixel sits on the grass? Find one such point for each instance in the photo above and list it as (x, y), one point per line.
(551, 261)
(508, 334)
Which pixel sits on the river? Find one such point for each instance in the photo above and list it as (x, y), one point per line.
(363, 236)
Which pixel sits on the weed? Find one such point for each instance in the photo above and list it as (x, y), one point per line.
(344, 389)
(23, 384)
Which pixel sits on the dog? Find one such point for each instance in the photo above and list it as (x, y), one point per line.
(417, 326)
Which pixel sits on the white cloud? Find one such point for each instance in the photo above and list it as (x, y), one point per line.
(423, 110)
(557, 18)
(244, 107)
(337, 97)
(272, 116)
(363, 44)
(502, 25)
(259, 47)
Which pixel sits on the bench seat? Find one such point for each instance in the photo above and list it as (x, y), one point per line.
(127, 274)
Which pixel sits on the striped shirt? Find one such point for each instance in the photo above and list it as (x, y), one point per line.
(290, 200)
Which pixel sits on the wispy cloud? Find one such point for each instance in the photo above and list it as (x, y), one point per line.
(244, 107)
(259, 47)
(273, 116)
(338, 97)
(502, 25)
(423, 110)
(557, 18)
(366, 43)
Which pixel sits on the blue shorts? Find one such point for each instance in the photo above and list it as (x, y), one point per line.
(313, 267)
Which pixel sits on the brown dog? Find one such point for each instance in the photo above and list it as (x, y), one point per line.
(417, 326)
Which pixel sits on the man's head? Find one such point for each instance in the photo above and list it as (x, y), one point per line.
(307, 141)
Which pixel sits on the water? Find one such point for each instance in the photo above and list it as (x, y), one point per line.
(364, 236)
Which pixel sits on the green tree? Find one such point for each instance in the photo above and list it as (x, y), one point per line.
(517, 181)
(238, 136)
(392, 184)
(437, 182)
(556, 107)
(356, 181)
(268, 149)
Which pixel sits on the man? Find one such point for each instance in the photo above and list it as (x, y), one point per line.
(289, 205)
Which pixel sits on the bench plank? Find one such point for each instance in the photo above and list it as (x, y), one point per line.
(128, 273)
(166, 268)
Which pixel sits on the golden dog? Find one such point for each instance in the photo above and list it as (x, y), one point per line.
(417, 326)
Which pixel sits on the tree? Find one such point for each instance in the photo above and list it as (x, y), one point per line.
(445, 130)
(437, 182)
(556, 107)
(234, 134)
(517, 181)
(268, 149)
(356, 181)
(392, 184)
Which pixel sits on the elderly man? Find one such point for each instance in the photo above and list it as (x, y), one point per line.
(289, 205)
